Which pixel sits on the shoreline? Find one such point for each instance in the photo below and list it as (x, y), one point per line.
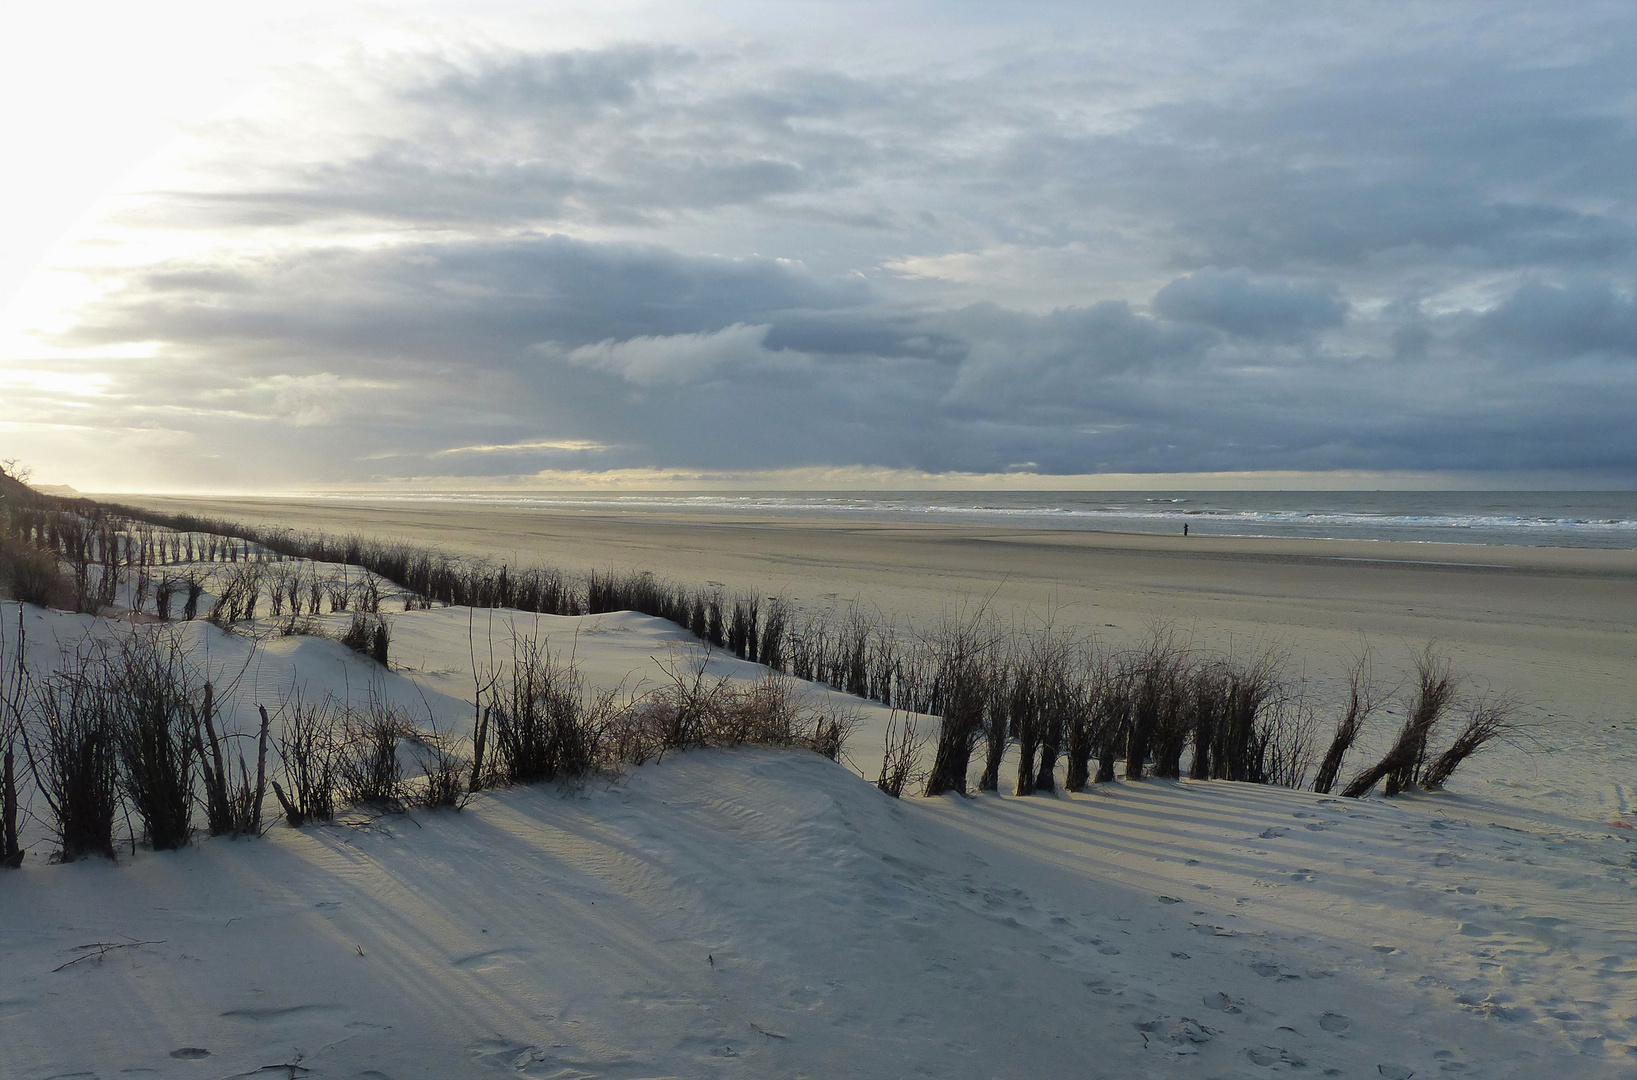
(1592, 520)
(329, 512)
(1558, 625)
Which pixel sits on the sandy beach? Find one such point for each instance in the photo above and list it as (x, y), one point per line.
(1556, 626)
(769, 912)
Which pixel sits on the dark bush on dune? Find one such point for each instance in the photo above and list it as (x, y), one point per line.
(959, 693)
(194, 584)
(369, 635)
(1238, 750)
(999, 718)
(743, 630)
(1175, 704)
(1112, 700)
(1044, 697)
(73, 754)
(1155, 676)
(367, 769)
(1401, 765)
(239, 590)
(32, 575)
(446, 776)
(1088, 721)
(14, 694)
(1361, 702)
(309, 745)
(1489, 719)
(773, 632)
(232, 803)
(154, 705)
(540, 726)
(1207, 708)
(900, 759)
(698, 710)
(164, 590)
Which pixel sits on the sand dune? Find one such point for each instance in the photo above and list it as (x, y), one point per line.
(1557, 627)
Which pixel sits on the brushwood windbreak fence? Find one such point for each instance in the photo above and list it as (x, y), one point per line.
(1057, 698)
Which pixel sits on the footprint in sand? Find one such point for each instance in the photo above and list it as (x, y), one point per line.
(1395, 1072)
(1269, 1056)
(1335, 1022)
(1220, 1002)
(190, 1053)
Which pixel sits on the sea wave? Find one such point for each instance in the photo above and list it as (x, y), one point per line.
(1412, 518)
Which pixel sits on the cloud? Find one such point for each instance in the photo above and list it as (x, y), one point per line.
(678, 358)
(1394, 239)
(1553, 323)
(437, 302)
(569, 445)
(1235, 303)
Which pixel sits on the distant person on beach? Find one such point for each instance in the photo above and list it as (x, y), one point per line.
(1184, 528)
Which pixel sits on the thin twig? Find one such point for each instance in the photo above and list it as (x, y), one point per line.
(104, 948)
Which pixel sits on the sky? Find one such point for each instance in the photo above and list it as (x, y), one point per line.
(288, 247)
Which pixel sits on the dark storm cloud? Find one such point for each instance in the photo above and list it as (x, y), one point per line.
(1551, 323)
(658, 359)
(468, 301)
(1235, 303)
(1420, 255)
(1493, 153)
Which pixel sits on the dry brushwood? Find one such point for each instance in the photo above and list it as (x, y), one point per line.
(370, 636)
(1085, 720)
(1490, 719)
(309, 747)
(103, 949)
(150, 697)
(445, 783)
(232, 806)
(537, 719)
(900, 759)
(14, 686)
(1361, 702)
(72, 752)
(1284, 739)
(963, 649)
(1156, 679)
(1401, 765)
(368, 769)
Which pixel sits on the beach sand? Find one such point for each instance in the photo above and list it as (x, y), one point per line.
(1554, 627)
(761, 912)
(771, 913)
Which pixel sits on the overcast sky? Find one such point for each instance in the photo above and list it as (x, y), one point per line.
(290, 247)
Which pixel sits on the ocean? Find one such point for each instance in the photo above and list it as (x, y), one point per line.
(1582, 519)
